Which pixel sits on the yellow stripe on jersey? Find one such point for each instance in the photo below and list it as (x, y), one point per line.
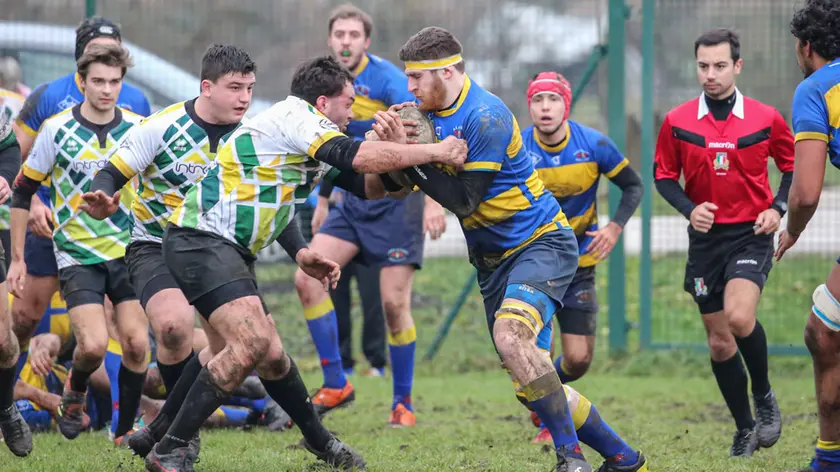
(515, 144)
(556, 148)
(571, 179)
(320, 141)
(806, 135)
(25, 128)
(121, 166)
(464, 92)
(580, 223)
(483, 166)
(365, 107)
(618, 168)
(32, 173)
(559, 219)
(832, 96)
(504, 205)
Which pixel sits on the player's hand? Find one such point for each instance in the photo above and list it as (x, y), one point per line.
(603, 240)
(786, 241)
(399, 106)
(768, 221)
(703, 217)
(99, 205)
(40, 361)
(434, 219)
(5, 191)
(319, 267)
(322, 209)
(16, 277)
(390, 127)
(40, 218)
(454, 152)
(50, 402)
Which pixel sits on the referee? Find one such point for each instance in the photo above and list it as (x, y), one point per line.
(720, 143)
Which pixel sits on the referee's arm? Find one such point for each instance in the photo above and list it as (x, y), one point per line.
(782, 150)
(667, 168)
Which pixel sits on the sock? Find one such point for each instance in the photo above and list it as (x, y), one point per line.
(593, 431)
(323, 326)
(827, 457)
(548, 399)
(176, 397)
(754, 349)
(113, 362)
(290, 393)
(170, 373)
(22, 358)
(131, 388)
(732, 380)
(242, 401)
(201, 401)
(233, 416)
(7, 386)
(565, 377)
(402, 346)
(78, 379)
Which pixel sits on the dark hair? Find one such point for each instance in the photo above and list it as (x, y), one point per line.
(346, 11)
(720, 36)
(323, 75)
(112, 55)
(432, 43)
(92, 28)
(222, 59)
(818, 24)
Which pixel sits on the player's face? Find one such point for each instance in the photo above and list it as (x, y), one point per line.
(547, 110)
(803, 58)
(348, 41)
(339, 109)
(716, 71)
(230, 96)
(102, 86)
(428, 88)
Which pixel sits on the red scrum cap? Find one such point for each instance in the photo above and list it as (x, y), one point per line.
(553, 83)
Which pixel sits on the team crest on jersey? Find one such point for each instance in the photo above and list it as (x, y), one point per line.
(581, 155)
(180, 145)
(362, 90)
(556, 159)
(68, 102)
(535, 158)
(700, 288)
(458, 132)
(721, 162)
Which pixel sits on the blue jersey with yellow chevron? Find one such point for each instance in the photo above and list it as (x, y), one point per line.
(816, 109)
(517, 208)
(571, 171)
(379, 84)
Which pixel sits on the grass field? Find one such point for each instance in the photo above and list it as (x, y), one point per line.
(665, 403)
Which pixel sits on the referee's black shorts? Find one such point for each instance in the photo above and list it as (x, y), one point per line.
(726, 252)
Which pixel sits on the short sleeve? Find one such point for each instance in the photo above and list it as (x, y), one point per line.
(41, 160)
(609, 158)
(492, 135)
(309, 131)
(666, 159)
(36, 109)
(810, 113)
(137, 151)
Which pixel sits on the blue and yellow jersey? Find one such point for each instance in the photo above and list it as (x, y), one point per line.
(816, 109)
(379, 84)
(571, 171)
(517, 208)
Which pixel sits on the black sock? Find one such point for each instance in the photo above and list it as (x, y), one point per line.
(754, 350)
(290, 393)
(732, 380)
(201, 401)
(78, 379)
(176, 397)
(7, 386)
(131, 388)
(172, 372)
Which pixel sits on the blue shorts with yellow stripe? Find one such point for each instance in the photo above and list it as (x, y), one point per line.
(536, 279)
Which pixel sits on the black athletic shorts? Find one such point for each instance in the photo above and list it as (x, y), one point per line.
(86, 284)
(580, 304)
(148, 271)
(210, 270)
(726, 252)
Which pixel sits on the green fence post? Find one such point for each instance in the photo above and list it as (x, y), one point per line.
(90, 8)
(647, 137)
(617, 128)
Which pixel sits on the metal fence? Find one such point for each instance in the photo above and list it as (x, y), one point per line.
(637, 74)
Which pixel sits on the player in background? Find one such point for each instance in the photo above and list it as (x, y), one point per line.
(169, 152)
(816, 27)
(570, 159)
(11, 76)
(70, 148)
(721, 143)
(45, 101)
(10, 105)
(386, 233)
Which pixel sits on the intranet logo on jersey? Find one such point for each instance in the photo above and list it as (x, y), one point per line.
(80, 166)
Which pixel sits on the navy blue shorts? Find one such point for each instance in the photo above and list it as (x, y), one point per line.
(387, 232)
(537, 275)
(580, 305)
(39, 256)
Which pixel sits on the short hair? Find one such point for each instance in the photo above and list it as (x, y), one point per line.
(10, 73)
(323, 75)
(720, 36)
(222, 59)
(347, 11)
(432, 43)
(112, 55)
(818, 24)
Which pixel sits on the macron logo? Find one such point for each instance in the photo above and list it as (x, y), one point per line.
(747, 261)
(721, 146)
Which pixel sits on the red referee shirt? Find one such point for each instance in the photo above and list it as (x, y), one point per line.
(724, 162)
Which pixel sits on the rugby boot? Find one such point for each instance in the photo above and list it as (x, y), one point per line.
(338, 455)
(143, 441)
(181, 459)
(640, 466)
(16, 432)
(573, 462)
(70, 417)
(768, 424)
(328, 399)
(275, 418)
(402, 417)
(744, 443)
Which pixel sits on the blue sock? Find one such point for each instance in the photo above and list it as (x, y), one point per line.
(565, 377)
(259, 405)
(241, 401)
(827, 458)
(112, 362)
(402, 346)
(324, 329)
(597, 434)
(553, 410)
(233, 416)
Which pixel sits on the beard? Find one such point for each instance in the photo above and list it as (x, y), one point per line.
(435, 100)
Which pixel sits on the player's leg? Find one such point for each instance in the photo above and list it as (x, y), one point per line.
(395, 286)
(577, 320)
(40, 285)
(112, 363)
(16, 432)
(342, 300)
(373, 319)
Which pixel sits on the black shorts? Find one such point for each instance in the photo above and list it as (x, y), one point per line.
(88, 284)
(726, 252)
(147, 269)
(210, 270)
(580, 304)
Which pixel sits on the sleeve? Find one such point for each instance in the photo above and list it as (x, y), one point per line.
(666, 159)
(810, 112)
(41, 159)
(310, 132)
(36, 109)
(351, 181)
(781, 143)
(490, 135)
(137, 150)
(609, 158)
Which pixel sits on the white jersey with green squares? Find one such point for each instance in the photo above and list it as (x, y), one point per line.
(169, 152)
(70, 154)
(10, 105)
(264, 169)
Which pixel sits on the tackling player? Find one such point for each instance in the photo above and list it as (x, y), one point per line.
(815, 27)
(70, 148)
